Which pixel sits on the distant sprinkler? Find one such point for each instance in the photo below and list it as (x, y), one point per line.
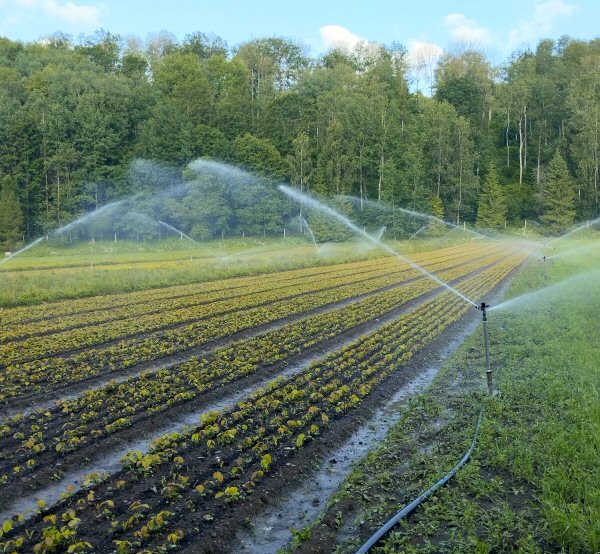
(545, 272)
(486, 339)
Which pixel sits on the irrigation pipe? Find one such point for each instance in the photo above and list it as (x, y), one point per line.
(410, 508)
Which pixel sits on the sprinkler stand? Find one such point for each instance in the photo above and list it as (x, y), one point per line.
(486, 339)
(545, 272)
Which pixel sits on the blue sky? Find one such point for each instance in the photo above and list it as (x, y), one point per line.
(430, 26)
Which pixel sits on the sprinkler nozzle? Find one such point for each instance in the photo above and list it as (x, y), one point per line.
(483, 306)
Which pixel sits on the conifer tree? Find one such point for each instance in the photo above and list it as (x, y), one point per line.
(558, 199)
(491, 213)
(437, 228)
(11, 217)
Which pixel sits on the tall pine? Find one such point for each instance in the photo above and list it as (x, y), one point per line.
(11, 217)
(491, 212)
(558, 198)
(437, 228)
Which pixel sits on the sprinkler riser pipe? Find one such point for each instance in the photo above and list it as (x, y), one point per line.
(486, 341)
(545, 272)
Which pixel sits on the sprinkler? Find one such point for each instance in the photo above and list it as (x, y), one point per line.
(545, 272)
(486, 339)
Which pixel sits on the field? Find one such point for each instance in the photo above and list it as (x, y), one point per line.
(532, 484)
(165, 417)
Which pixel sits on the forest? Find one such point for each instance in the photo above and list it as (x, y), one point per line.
(489, 145)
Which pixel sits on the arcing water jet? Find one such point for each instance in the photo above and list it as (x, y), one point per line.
(24, 249)
(413, 213)
(419, 231)
(578, 228)
(310, 202)
(88, 216)
(307, 226)
(180, 233)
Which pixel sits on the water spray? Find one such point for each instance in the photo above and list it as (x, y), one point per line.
(90, 215)
(24, 249)
(415, 234)
(585, 225)
(305, 225)
(179, 232)
(486, 340)
(413, 213)
(315, 204)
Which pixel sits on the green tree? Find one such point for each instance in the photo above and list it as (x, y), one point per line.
(558, 198)
(584, 124)
(204, 46)
(326, 227)
(437, 228)
(491, 212)
(300, 162)
(259, 155)
(11, 216)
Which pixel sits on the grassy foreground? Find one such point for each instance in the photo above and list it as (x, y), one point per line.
(533, 484)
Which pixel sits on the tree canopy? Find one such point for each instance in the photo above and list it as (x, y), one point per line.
(75, 115)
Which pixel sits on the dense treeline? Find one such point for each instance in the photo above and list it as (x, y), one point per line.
(492, 145)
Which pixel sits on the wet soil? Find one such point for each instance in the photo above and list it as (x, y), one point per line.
(270, 531)
(73, 467)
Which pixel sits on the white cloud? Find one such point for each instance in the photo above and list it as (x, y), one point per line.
(465, 30)
(544, 16)
(84, 15)
(79, 17)
(423, 57)
(422, 53)
(338, 37)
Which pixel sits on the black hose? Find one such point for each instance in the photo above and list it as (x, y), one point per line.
(410, 508)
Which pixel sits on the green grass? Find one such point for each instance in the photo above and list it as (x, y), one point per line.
(55, 255)
(49, 273)
(63, 276)
(534, 482)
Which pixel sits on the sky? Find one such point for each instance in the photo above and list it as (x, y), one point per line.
(425, 28)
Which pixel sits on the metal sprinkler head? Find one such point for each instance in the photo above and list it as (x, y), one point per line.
(483, 307)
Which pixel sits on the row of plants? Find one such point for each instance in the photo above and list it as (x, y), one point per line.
(174, 493)
(153, 303)
(165, 314)
(45, 373)
(11, 317)
(31, 442)
(162, 314)
(533, 483)
(41, 312)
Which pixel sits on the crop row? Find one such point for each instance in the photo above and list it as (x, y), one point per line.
(19, 316)
(76, 331)
(41, 374)
(165, 315)
(157, 304)
(191, 479)
(28, 443)
(82, 333)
